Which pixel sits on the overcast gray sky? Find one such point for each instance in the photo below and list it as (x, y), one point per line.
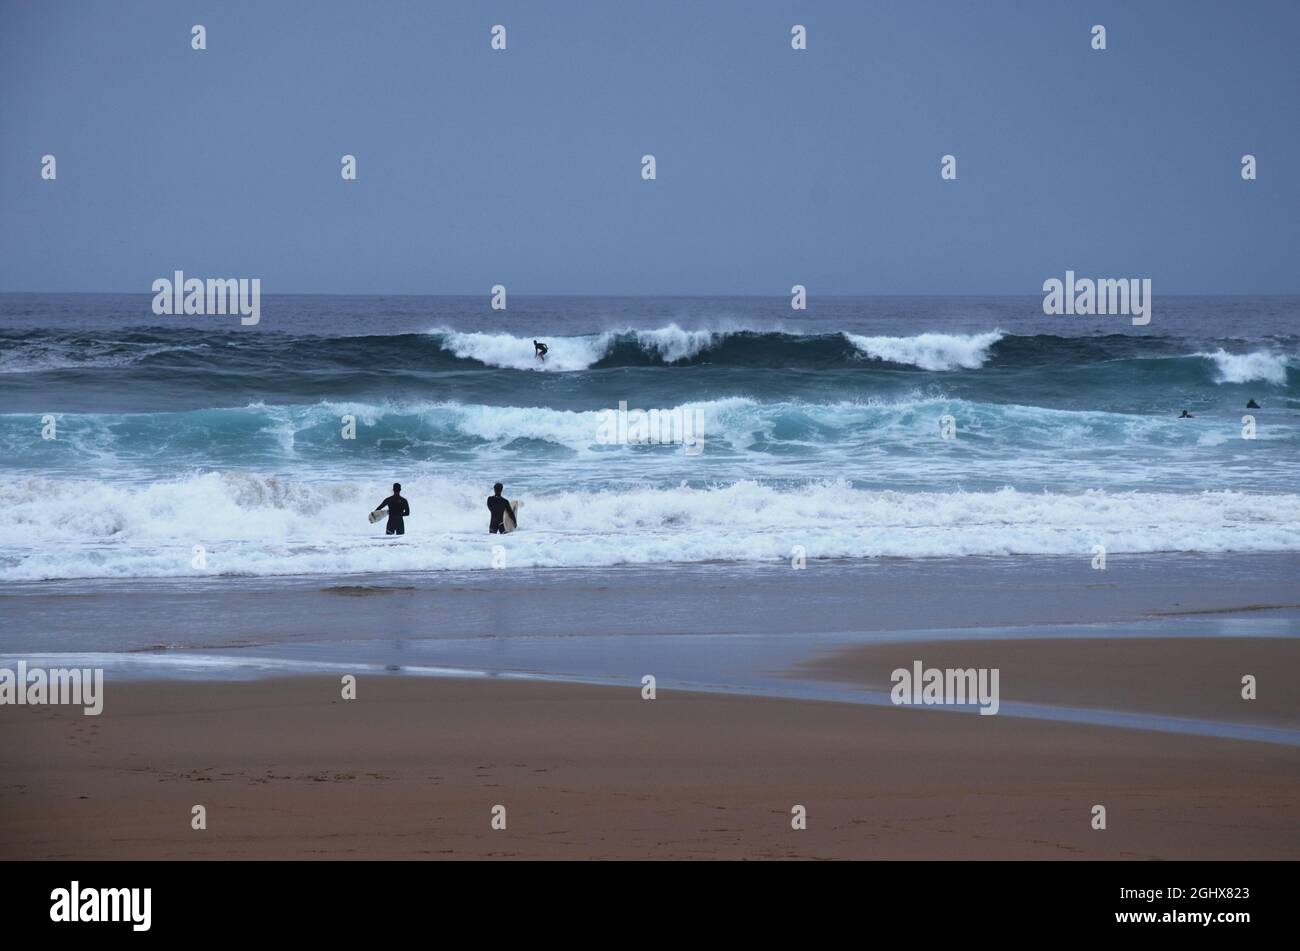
(775, 166)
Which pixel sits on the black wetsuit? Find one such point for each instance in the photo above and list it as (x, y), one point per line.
(498, 506)
(541, 349)
(398, 508)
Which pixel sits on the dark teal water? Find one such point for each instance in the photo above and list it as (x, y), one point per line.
(821, 429)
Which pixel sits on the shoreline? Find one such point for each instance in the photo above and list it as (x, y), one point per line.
(770, 632)
(767, 698)
(874, 597)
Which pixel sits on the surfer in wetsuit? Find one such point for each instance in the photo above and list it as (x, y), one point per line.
(540, 349)
(1186, 415)
(398, 509)
(498, 506)
(1252, 405)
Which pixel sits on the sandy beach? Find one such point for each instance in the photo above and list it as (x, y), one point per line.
(1198, 678)
(244, 716)
(414, 766)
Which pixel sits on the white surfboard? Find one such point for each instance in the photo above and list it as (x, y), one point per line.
(377, 514)
(509, 518)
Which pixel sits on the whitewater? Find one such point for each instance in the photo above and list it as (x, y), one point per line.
(182, 452)
(247, 525)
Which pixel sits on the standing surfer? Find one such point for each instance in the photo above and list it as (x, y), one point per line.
(540, 349)
(498, 506)
(398, 509)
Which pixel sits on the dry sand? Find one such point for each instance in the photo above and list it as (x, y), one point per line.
(412, 769)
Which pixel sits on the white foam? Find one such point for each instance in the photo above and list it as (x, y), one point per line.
(672, 343)
(566, 354)
(517, 353)
(575, 429)
(930, 351)
(1261, 365)
(262, 525)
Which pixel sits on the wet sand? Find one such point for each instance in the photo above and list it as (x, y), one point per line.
(888, 595)
(413, 768)
(1198, 678)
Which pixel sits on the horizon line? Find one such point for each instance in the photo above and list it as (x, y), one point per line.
(781, 296)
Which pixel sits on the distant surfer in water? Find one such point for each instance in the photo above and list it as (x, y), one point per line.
(1252, 405)
(1186, 415)
(540, 349)
(498, 506)
(398, 509)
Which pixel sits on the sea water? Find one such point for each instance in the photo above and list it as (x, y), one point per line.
(860, 428)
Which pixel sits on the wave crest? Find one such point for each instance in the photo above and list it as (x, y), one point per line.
(930, 351)
(1260, 366)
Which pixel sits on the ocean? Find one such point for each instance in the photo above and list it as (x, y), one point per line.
(821, 432)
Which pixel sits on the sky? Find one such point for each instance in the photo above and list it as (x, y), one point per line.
(775, 166)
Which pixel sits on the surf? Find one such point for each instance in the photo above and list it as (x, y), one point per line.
(153, 359)
(930, 351)
(255, 525)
